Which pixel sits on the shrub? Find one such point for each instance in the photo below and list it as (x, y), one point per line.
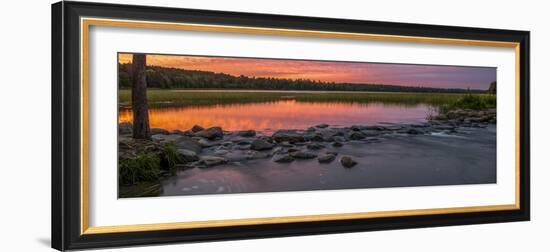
(169, 158)
(143, 167)
(469, 101)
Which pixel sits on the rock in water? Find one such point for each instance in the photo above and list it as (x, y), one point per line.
(337, 144)
(412, 131)
(212, 160)
(370, 133)
(220, 152)
(189, 144)
(357, 135)
(196, 128)
(210, 133)
(259, 144)
(339, 139)
(315, 146)
(288, 136)
(358, 127)
(347, 161)
(205, 143)
(326, 158)
(155, 131)
(303, 155)
(258, 155)
(322, 126)
(283, 158)
(166, 138)
(187, 156)
(317, 138)
(287, 144)
(247, 133)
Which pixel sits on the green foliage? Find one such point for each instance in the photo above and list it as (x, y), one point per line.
(470, 101)
(124, 76)
(142, 167)
(145, 167)
(169, 158)
(492, 88)
(170, 78)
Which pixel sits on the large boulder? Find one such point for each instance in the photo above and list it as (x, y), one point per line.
(287, 144)
(166, 138)
(210, 133)
(412, 131)
(212, 160)
(288, 136)
(188, 144)
(326, 158)
(283, 158)
(371, 133)
(322, 126)
(337, 144)
(356, 135)
(246, 133)
(155, 131)
(258, 155)
(205, 143)
(358, 127)
(347, 161)
(260, 144)
(196, 128)
(316, 137)
(186, 155)
(315, 146)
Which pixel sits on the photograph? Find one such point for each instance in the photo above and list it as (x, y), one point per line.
(181, 123)
(203, 124)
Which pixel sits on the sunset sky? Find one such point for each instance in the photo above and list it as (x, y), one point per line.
(333, 71)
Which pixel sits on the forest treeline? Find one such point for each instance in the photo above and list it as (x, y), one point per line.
(169, 78)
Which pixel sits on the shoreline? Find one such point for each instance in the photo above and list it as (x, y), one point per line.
(205, 148)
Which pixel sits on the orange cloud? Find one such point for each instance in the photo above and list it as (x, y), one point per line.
(331, 71)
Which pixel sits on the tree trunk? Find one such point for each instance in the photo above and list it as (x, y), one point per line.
(140, 108)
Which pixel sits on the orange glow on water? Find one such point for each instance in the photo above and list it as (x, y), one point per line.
(285, 114)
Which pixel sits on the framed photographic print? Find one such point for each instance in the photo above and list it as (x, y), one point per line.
(180, 125)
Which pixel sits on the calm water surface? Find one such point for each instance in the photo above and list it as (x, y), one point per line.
(465, 158)
(284, 114)
(425, 160)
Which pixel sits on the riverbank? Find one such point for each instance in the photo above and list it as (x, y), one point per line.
(198, 148)
(158, 98)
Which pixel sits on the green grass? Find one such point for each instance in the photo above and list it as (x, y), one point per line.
(469, 101)
(169, 98)
(146, 167)
(142, 167)
(169, 158)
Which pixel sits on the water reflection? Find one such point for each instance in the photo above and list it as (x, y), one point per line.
(283, 114)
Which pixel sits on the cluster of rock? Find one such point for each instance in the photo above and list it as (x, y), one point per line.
(129, 147)
(468, 117)
(205, 147)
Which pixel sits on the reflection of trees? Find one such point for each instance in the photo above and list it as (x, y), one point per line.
(196, 99)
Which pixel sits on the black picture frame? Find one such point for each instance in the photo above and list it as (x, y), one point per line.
(66, 156)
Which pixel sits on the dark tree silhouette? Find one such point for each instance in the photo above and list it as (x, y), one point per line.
(167, 78)
(493, 88)
(140, 108)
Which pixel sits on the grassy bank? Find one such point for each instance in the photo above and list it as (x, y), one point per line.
(469, 101)
(168, 98)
